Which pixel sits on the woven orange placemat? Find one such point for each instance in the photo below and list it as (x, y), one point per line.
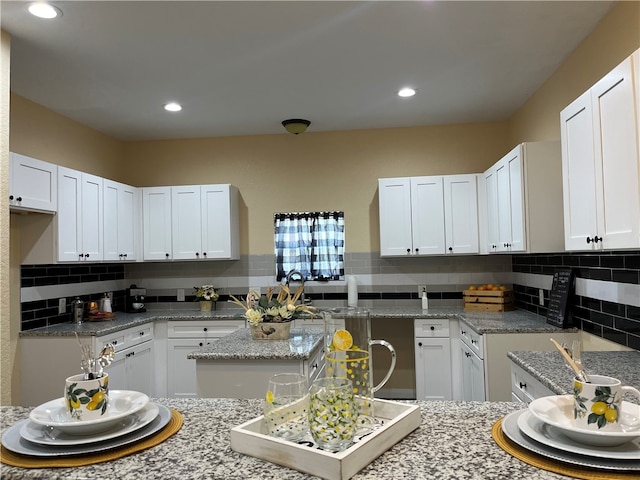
(555, 466)
(17, 460)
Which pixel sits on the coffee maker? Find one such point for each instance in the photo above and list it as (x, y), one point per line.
(135, 299)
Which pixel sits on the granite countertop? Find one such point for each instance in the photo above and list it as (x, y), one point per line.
(518, 321)
(550, 368)
(239, 346)
(453, 442)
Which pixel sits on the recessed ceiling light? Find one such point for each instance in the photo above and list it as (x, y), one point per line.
(173, 107)
(44, 10)
(406, 92)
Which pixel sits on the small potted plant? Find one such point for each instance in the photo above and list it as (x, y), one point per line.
(206, 295)
(270, 315)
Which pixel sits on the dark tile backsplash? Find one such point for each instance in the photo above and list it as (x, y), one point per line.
(42, 313)
(617, 322)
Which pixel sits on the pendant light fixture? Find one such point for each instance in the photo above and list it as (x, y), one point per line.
(296, 125)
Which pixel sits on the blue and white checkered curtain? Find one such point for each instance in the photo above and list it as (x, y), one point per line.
(311, 243)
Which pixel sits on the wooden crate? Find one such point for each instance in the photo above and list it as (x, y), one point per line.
(399, 419)
(489, 300)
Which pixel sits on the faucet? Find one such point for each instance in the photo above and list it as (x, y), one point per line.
(296, 276)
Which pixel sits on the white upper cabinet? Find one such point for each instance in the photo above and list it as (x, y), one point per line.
(156, 221)
(121, 221)
(430, 215)
(205, 222)
(394, 204)
(33, 184)
(523, 197)
(600, 164)
(80, 216)
(193, 222)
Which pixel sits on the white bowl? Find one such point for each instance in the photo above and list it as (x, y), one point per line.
(557, 410)
(121, 404)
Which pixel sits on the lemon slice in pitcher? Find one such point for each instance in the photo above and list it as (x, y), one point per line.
(342, 340)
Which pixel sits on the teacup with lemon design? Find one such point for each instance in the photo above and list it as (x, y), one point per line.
(597, 404)
(86, 399)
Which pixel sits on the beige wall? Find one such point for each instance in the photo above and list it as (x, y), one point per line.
(613, 40)
(315, 171)
(43, 134)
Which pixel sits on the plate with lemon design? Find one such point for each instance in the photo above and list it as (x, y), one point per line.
(558, 411)
(121, 404)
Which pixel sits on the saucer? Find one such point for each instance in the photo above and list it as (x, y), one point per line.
(121, 404)
(558, 411)
(37, 433)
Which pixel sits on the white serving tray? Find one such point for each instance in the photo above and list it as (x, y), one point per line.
(398, 420)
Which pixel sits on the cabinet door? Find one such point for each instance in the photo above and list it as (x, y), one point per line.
(33, 184)
(578, 174)
(92, 217)
(139, 368)
(510, 202)
(217, 222)
(491, 195)
(120, 217)
(433, 368)
(472, 375)
(69, 217)
(156, 217)
(117, 372)
(616, 158)
(427, 215)
(186, 222)
(395, 216)
(181, 371)
(461, 213)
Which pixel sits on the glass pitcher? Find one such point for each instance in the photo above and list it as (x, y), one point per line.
(348, 354)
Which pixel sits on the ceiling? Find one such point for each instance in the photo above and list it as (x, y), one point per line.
(240, 68)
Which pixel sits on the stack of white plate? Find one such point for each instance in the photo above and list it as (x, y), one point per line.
(50, 430)
(545, 428)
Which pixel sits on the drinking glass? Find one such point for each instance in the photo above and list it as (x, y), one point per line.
(286, 406)
(333, 413)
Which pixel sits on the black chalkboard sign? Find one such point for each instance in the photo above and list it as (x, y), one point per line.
(559, 298)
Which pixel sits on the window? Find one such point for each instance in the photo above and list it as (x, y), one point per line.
(311, 243)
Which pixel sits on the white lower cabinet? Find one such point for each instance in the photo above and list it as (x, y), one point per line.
(184, 337)
(433, 359)
(472, 364)
(133, 365)
(524, 387)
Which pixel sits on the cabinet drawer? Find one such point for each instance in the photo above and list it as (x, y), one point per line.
(431, 327)
(136, 336)
(118, 340)
(199, 329)
(525, 387)
(472, 339)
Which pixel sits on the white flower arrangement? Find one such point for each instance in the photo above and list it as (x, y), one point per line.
(206, 292)
(266, 308)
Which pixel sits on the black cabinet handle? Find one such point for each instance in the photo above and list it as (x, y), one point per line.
(124, 255)
(432, 328)
(204, 329)
(141, 334)
(86, 255)
(200, 344)
(417, 250)
(589, 240)
(474, 341)
(597, 239)
(166, 255)
(19, 199)
(81, 255)
(10, 197)
(462, 332)
(523, 385)
(198, 254)
(451, 249)
(467, 354)
(204, 254)
(408, 250)
(115, 342)
(419, 344)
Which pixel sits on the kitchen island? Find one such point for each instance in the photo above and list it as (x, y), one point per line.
(453, 442)
(236, 366)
